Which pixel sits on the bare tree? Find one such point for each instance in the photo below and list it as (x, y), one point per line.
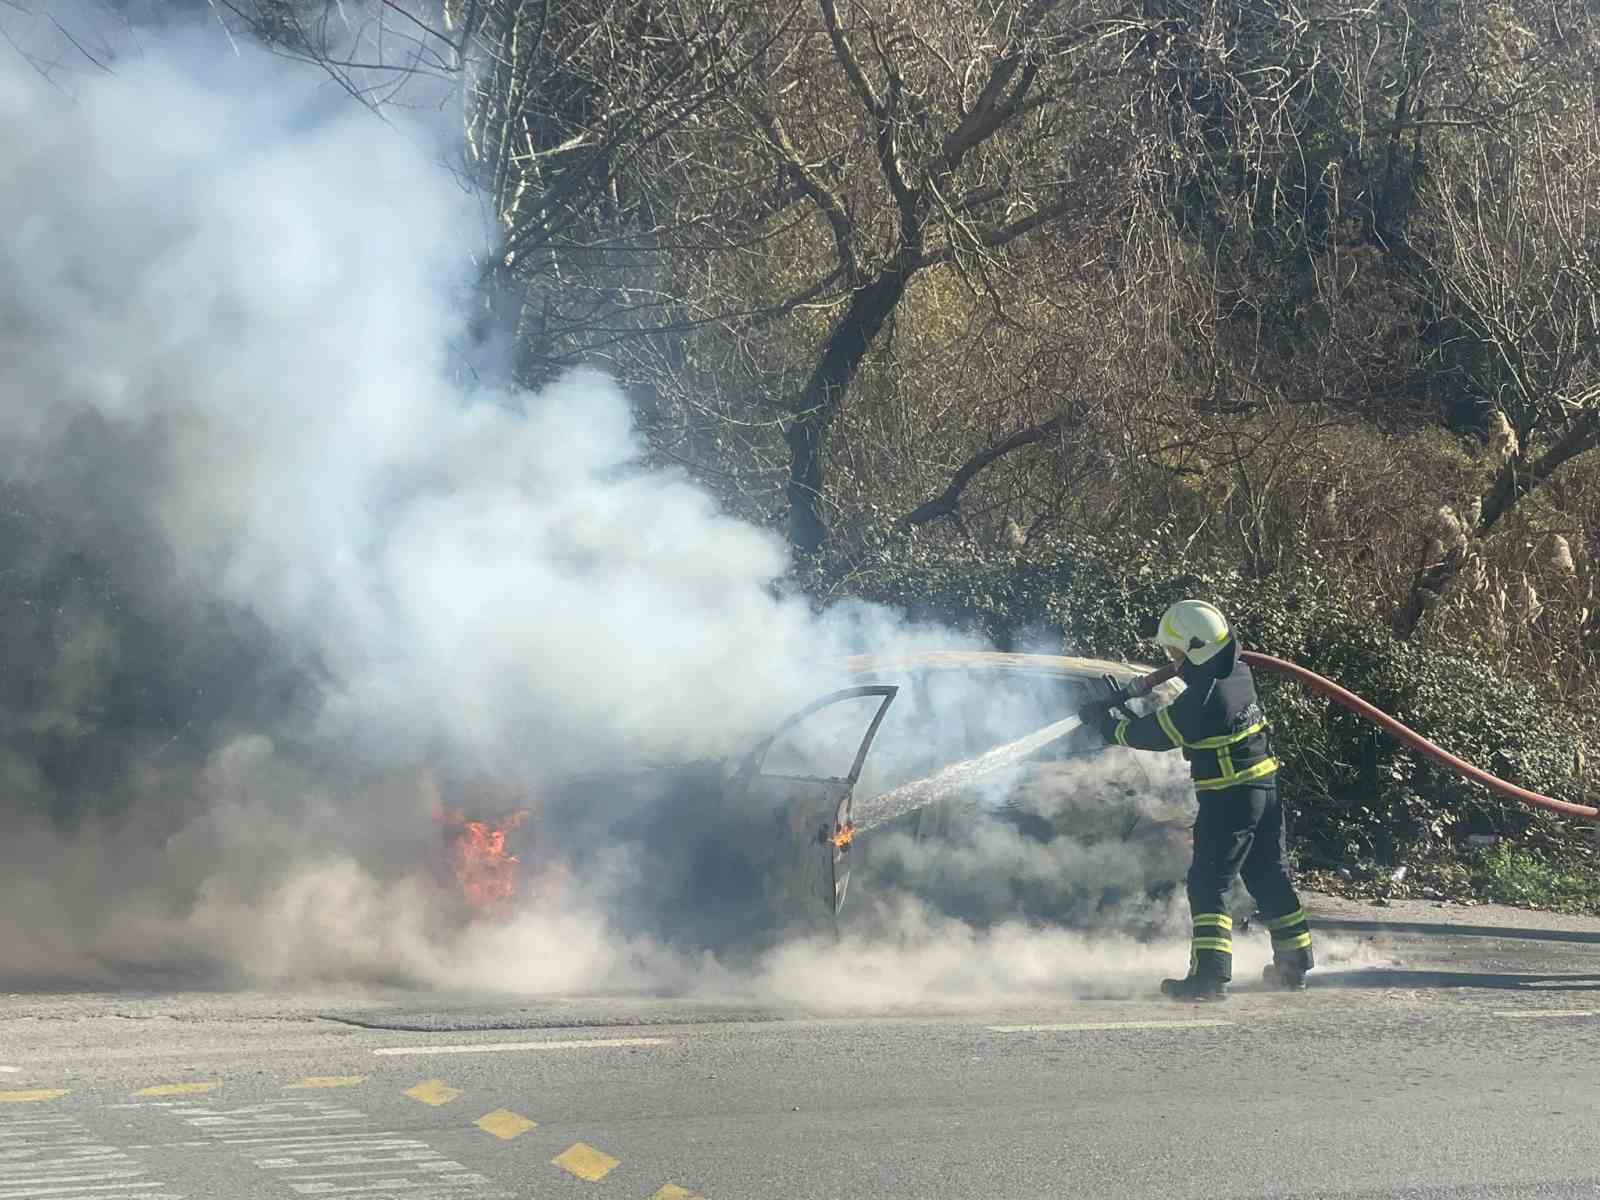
(1515, 255)
(955, 139)
(564, 105)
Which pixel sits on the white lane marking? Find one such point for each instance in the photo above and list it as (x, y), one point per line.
(1550, 1012)
(81, 1192)
(1087, 1026)
(73, 1156)
(413, 1152)
(79, 1181)
(277, 1114)
(77, 1159)
(494, 1047)
(301, 1139)
(26, 1128)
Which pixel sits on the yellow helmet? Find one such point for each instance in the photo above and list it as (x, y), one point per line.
(1193, 629)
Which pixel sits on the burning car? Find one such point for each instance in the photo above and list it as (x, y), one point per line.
(731, 855)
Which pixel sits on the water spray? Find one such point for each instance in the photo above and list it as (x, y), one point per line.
(958, 777)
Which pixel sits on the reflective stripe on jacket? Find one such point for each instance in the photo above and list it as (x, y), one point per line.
(1216, 721)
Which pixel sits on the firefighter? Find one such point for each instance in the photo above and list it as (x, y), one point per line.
(1218, 724)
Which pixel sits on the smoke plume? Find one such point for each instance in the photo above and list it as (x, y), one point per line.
(279, 586)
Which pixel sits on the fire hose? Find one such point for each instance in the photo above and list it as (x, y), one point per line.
(1326, 687)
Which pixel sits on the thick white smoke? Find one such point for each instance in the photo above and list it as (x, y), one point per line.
(259, 313)
(227, 307)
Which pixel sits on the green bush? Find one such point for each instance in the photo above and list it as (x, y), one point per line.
(1354, 793)
(1509, 876)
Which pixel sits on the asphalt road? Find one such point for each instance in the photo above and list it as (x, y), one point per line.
(1453, 1054)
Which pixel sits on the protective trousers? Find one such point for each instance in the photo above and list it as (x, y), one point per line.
(1240, 832)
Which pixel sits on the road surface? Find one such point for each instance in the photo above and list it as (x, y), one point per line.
(1453, 1055)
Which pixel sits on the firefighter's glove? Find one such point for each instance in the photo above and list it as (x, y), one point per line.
(1095, 715)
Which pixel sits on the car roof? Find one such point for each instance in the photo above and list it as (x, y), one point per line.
(1058, 665)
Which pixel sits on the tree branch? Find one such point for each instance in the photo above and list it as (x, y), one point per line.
(848, 60)
(988, 114)
(993, 239)
(989, 111)
(812, 185)
(947, 502)
(1516, 479)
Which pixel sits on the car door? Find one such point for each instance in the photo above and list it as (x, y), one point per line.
(799, 782)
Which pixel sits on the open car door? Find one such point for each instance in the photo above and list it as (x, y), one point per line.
(787, 775)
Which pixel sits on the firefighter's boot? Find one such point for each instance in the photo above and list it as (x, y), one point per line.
(1287, 970)
(1210, 960)
(1284, 977)
(1195, 989)
(1292, 955)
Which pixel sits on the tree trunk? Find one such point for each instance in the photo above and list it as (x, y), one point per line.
(1515, 480)
(842, 355)
(1426, 588)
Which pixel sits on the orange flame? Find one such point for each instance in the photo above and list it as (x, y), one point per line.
(488, 875)
(844, 835)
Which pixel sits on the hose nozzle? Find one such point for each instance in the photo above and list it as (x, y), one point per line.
(1134, 689)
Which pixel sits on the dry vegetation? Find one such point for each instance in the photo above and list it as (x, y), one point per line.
(1282, 285)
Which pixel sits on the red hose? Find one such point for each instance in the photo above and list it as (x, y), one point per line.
(1416, 741)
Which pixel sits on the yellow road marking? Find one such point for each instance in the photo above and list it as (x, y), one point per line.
(434, 1092)
(673, 1192)
(504, 1124)
(29, 1097)
(585, 1162)
(329, 1081)
(178, 1089)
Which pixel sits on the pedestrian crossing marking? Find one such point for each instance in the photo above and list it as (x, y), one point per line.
(504, 1124)
(57, 1156)
(585, 1162)
(434, 1092)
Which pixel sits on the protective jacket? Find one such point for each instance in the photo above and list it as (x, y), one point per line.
(1222, 730)
(1216, 721)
